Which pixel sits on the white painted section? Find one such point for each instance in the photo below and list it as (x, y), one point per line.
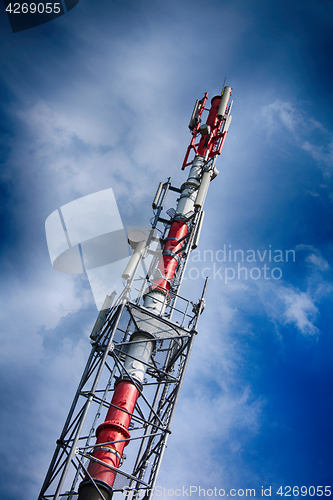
(141, 350)
(130, 268)
(224, 101)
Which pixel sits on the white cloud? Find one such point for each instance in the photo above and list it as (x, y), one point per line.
(318, 261)
(203, 427)
(282, 113)
(315, 258)
(284, 117)
(300, 310)
(322, 154)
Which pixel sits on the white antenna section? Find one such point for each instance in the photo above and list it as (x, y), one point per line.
(137, 241)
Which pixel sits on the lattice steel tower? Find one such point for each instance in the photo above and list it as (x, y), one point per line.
(141, 346)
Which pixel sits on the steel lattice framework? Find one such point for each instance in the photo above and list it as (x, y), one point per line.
(155, 408)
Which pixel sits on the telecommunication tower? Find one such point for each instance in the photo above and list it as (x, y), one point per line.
(141, 347)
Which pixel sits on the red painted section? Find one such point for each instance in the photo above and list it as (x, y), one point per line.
(117, 421)
(224, 135)
(168, 263)
(208, 142)
(194, 134)
(113, 429)
(179, 229)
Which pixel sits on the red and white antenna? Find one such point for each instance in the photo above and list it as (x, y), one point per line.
(141, 347)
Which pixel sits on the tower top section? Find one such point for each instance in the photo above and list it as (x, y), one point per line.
(208, 138)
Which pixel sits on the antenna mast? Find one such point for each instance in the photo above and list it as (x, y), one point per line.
(140, 348)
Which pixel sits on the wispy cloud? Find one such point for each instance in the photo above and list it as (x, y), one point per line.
(287, 118)
(314, 258)
(281, 113)
(300, 310)
(318, 261)
(322, 154)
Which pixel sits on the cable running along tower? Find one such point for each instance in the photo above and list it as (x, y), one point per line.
(141, 346)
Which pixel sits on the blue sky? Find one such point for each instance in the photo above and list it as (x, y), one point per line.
(101, 97)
